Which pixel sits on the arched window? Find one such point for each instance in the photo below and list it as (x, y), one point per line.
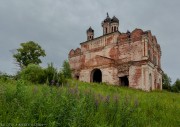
(106, 30)
(112, 29)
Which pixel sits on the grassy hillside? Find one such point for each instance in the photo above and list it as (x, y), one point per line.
(83, 104)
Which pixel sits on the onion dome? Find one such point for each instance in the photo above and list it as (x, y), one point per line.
(90, 30)
(114, 19)
(128, 33)
(108, 19)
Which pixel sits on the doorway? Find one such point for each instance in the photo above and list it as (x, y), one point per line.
(96, 76)
(77, 77)
(124, 81)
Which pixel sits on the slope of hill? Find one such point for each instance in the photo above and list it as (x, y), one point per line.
(85, 104)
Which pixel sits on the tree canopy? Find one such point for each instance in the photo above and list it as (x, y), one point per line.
(166, 82)
(176, 86)
(29, 52)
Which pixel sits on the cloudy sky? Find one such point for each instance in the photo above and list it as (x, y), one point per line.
(60, 25)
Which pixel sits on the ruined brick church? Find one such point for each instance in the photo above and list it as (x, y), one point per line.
(130, 59)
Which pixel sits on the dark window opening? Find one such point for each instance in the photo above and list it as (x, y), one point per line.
(77, 77)
(106, 30)
(124, 81)
(159, 84)
(155, 84)
(155, 60)
(112, 29)
(149, 53)
(96, 76)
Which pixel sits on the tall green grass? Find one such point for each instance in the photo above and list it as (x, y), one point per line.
(79, 104)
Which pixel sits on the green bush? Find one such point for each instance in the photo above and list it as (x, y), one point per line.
(50, 73)
(177, 84)
(5, 76)
(52, 76)
(33, 73)
(66, 71)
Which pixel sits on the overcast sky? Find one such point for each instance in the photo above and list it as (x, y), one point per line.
(60, 25)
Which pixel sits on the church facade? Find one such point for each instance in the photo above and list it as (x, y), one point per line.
(130, 59)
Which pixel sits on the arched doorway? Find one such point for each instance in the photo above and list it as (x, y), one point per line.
(77, 77)
(96, 75)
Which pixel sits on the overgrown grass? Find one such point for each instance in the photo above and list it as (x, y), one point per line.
(88, 105)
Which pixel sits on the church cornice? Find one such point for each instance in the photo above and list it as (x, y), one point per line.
(99, 37)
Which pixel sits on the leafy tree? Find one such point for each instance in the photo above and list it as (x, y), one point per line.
(166, 82)
(174, 89)
(177, 83)
(33, 73)
(66, 71)
(176, 86)
(29, 52)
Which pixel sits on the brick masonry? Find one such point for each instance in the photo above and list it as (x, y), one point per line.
(136, 55)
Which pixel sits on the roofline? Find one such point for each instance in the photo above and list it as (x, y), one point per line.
(100, 37)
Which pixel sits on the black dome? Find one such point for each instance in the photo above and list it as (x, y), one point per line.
(114, 19)
(90, 30)
(108, 19)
